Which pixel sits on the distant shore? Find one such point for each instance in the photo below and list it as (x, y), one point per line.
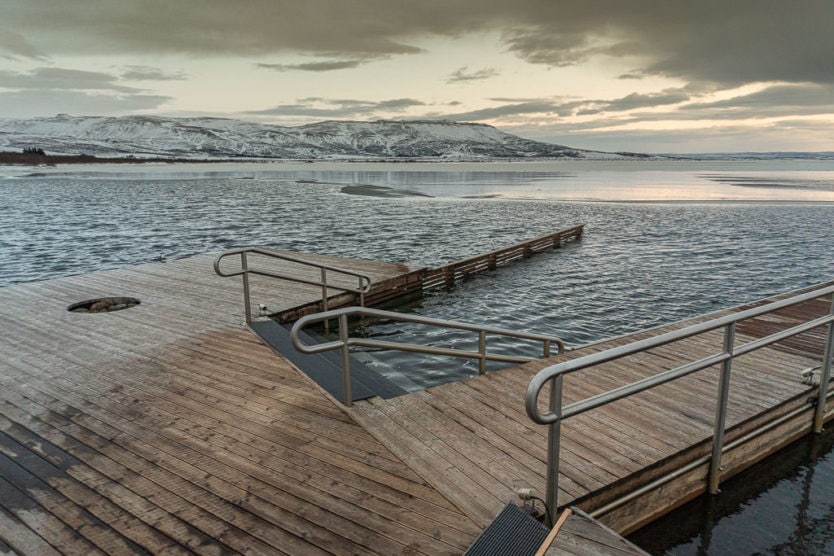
(29, 159)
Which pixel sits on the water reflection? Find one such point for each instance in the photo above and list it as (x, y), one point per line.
(783, 505)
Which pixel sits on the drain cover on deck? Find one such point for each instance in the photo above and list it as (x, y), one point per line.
(103, 305)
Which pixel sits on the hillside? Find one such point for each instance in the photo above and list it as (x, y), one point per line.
(150, 136)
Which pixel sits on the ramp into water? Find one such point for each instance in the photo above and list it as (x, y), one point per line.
(326, 368)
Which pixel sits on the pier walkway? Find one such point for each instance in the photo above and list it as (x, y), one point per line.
(169, 427)
(476, 443)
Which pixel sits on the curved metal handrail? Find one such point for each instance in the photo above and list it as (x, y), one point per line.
(554, 375)
(345, 341)
(365, 281)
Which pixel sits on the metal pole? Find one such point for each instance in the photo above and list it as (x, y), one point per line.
(721, 410)
(324, 289)
(324, 299)
(825, 375)
(246, 305)
(482, 351)
(547, 348)
(554, 432)
(343, 337)
(361, 292)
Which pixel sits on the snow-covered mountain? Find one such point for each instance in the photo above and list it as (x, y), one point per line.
(145, 136)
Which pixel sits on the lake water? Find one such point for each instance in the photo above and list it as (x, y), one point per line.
(665, 240)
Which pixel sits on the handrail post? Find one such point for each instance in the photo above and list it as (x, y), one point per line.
(343, 338)
(324, 299)
(324, 289)
(825, 374)
(554, 437)
(247, 307)
(482, 351)
(546, 348)
(721, 410)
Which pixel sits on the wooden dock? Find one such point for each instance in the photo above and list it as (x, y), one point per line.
(169, 428)
(475, 442)
(419, 280)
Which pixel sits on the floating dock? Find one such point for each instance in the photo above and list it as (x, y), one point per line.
(169, 427)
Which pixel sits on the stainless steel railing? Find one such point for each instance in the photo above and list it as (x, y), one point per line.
(345, 341)
(554, 375)
(364, 280)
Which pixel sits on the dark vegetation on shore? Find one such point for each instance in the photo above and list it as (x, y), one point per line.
(37, 157)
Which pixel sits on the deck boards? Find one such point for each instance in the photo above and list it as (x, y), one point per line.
(170, 428)
(478, 427)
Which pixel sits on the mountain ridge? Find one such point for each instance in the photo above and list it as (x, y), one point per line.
(210, 137)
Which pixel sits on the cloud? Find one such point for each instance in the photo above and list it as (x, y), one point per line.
(562, 108)
(316, 107)
(148, 73)
(16, 46)
(48, 90)
(503, 111)
(463, 75)
(787, 96)
(635, 100)
(329, 65)
(711, 40)
(46, 78)
(26, 104)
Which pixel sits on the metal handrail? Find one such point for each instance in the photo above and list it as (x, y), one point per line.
(345, 342)
(555, 374)
(363, 288)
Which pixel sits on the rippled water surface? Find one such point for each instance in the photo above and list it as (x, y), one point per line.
(639, 264)
(663, 241)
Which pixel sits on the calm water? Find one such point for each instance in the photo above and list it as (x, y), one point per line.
(664, 240)
(784, 505)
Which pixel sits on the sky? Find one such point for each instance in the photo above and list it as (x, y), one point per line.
(662, 76)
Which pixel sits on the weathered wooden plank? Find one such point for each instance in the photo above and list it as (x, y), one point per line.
(165, 405)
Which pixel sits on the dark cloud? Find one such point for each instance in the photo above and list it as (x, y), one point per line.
(538, 46)
(704, 41)
(559, 107)
(503, 111)
(15, 45)
(635, 100)
(62, 79)
(316, 107)
(330, 65)
(778, 96)
(463, 74)
(147, 73)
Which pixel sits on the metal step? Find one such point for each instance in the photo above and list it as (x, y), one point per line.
(513, 532)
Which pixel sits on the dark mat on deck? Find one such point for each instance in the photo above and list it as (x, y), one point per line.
(326, 368)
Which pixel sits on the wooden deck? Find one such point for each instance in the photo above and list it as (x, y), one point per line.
(474, 441)
(169, 428)
(581, 535)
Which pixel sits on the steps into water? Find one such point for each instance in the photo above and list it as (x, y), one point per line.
(326, 368)
(514, 532)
